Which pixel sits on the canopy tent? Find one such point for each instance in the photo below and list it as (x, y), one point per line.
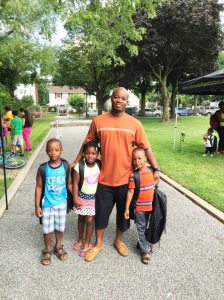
(210, 84)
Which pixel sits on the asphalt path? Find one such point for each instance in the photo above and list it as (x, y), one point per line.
(188, 264)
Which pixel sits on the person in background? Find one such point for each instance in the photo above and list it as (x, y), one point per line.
(17, 137)
(209, 139)
(5, 130)
(8, 116)
(219, 114)
(27, 121)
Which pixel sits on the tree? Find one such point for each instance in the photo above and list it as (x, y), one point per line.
(77, 102)
(170, 44)
(95, 32)
(24, 26)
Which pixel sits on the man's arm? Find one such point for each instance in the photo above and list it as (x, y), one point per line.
(152, 160)
(129, 197)
(92, 135)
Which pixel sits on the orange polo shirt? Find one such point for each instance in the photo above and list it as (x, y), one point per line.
(117, 137)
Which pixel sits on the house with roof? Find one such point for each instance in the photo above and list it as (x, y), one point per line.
(59, 96)
(26, 90)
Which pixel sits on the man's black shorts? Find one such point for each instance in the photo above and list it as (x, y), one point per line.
(106, 197)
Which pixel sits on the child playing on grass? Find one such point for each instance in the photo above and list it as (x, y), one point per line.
(143, 204)
(84, 190)
(209, 139)
(51, 200)
(17, 137)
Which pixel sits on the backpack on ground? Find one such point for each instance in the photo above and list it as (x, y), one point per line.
(214, 123)
(157, 220)
(42, 170)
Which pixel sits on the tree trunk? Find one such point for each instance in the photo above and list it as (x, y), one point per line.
(143, 103)
(99, 102)
(173, 99)
(195, 105)
(166, 99)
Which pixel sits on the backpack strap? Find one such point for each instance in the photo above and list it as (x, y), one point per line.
(42, 170)
(81, 173)
(136, 177)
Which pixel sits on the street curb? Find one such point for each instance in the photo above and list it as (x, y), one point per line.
(194, 198)
(11, 191)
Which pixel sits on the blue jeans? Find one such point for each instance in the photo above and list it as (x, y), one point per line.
(141, 221)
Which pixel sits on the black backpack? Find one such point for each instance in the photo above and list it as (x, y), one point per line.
(157, 221)
(42, 170)
(81, 171)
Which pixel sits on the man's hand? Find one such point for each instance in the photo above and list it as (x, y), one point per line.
(156, 177)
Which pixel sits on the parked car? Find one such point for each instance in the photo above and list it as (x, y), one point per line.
(62, 110)
(153, 112)
(90, 113)
(184, 112)
(131, 110)
(207, 110)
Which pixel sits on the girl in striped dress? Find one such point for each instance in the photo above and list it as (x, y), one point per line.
(84, 196)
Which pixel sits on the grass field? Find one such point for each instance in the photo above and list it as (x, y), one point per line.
(201, 175)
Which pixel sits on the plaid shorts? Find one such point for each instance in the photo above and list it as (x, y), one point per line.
(17, 139)
(54, 218)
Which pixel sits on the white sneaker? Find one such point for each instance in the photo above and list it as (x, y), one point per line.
(204, 155)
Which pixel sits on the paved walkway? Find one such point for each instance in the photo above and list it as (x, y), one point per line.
(188, 265)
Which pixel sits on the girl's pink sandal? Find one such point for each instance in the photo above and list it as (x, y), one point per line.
(84, 251)
(77, 246)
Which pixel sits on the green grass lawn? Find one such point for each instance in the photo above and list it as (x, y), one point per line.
(201, 175)
(40, 128)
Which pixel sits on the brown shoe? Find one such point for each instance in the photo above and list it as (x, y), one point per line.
(93, 253)
(145, 258)
(121, 248)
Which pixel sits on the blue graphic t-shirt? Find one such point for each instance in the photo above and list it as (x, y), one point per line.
(55, 191)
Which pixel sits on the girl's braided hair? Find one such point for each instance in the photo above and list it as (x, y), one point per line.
(91, 144)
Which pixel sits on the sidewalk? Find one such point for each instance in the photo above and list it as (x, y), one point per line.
(188, 265)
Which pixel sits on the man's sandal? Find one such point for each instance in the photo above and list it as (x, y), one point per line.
(121, 248)
(77, 246)
(60, 253)
(93, 253)
(46, 257)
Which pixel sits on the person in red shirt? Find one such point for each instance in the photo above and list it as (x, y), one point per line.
(143, 205)
(117, 133)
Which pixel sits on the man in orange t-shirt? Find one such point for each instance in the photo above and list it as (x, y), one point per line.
(118, 134)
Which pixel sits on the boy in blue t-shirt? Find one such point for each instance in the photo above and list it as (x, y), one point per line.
(54, 201)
